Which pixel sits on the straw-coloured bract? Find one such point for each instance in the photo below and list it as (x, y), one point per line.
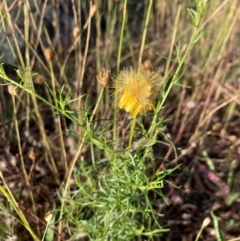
(137, 90)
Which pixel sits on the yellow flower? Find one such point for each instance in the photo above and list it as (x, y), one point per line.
(137, 90)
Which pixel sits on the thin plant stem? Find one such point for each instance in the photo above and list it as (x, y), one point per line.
(5, 190)
(175, 76)
(57, 118)
(132, 132)
(173, 40)
(84, 60)
(205, 223)
(145, 33)
(49, 158)
(18, 141)
(74, 160)
(26, 176)
(174, 80)
(32, 92)
(27, 59)
(11, 26)
(118, 67)
(121, 35)
(98, 40)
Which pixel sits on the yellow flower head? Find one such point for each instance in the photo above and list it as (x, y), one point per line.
(137, 90)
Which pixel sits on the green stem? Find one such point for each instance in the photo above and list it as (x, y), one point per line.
(74, 160)
(174, 80)
(173, 40)
(132, 131)
(118, 67)
(145, 33)
(5, 190)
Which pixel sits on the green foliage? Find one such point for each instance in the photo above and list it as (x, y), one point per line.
(113, 202)
(110, 188)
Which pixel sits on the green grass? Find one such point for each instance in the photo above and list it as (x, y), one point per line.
(112, 180)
